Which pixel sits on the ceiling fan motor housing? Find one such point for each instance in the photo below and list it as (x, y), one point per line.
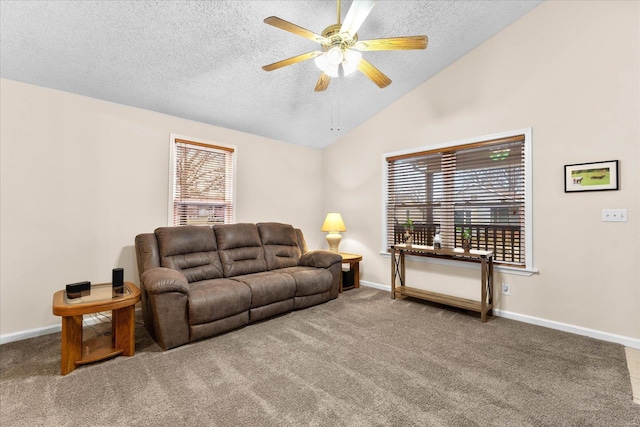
(342, 40)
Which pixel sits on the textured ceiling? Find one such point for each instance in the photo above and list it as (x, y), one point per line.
(202, 60)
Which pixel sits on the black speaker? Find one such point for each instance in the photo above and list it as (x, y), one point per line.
(77, 290)
(117, 277)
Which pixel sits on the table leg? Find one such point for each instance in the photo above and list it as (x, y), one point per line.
(403, 272)
(397, 270)
(71, 343)
(356, 274)
(123, 324)
(483, 291)
(490, 279)
(393, 274)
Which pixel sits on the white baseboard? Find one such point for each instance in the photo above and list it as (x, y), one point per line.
(578, 330)
(30, 333)
(376, 285)
(551, 324)
(45, 330)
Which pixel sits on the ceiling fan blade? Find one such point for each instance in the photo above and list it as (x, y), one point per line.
(393, 43)
(374, 74)
(295, 29)
(323, 83)
(292, 60)
(356, 15)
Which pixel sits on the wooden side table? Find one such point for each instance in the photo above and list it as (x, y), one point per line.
(75, 351)
(354, 265)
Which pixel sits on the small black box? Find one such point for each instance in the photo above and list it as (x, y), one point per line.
(348, 279)
(75, 290)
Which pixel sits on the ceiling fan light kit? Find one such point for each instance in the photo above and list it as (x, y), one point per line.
(351, 60)
(340, 46)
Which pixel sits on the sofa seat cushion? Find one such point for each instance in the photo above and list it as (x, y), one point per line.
(271, 310)
(268, 287)
(217, 327)
(309, 280)
(216, 299)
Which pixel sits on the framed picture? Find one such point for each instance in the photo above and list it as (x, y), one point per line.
(595, 176)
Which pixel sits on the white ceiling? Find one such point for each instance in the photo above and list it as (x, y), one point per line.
(201, 60)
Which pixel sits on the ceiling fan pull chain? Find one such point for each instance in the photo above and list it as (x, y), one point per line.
(338, 102)
(335, 105)
(332, 101)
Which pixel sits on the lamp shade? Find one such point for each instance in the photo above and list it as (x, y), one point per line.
(333, 223)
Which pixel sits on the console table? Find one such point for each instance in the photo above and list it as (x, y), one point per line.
(483, 306)
(122, 340)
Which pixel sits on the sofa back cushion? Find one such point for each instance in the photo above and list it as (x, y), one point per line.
(281, 245)
(302, 243)
(190, 249)
(240, 249)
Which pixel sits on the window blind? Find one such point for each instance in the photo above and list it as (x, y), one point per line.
(479, 187)
(203, 184)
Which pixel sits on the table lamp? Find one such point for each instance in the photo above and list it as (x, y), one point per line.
(333, 224)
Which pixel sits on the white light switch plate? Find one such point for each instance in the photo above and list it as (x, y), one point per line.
(614, 215)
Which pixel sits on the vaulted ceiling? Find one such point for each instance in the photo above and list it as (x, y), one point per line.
(201, 60)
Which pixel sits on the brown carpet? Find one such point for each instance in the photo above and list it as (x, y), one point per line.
(361, 360)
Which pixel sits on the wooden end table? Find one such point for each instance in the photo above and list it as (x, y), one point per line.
(122, 341)
(354, 265)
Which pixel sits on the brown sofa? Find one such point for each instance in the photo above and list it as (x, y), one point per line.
(201, 281)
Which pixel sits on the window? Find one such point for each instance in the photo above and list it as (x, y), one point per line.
(202, 183)
(481, 185)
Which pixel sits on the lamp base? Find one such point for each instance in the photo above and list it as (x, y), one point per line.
(334, 241)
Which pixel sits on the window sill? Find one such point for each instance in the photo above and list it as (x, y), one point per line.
(476, 266)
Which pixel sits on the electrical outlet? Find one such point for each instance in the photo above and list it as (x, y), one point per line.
(506, 289)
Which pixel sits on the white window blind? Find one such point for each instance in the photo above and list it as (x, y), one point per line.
(478, 186)
(203, 183)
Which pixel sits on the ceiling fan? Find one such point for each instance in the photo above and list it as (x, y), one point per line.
(340, 46)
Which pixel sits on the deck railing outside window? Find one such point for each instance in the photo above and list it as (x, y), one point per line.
(504, 240)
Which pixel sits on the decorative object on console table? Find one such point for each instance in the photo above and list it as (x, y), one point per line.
(350, 278)
(437, 241)
(409, 227)
(466, 239)
(333, 225)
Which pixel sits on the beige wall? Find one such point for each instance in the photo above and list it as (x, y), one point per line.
(569, 70)
(81, 177)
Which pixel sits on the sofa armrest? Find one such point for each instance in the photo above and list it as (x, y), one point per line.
(320, 259)
(160, 280)
(165, 306)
